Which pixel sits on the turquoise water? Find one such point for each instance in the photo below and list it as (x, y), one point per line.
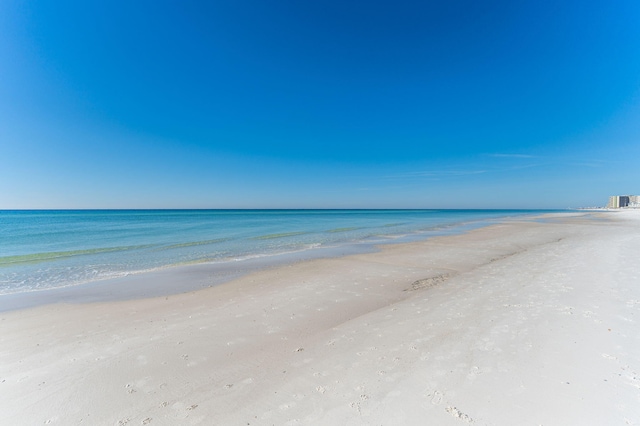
(48, 249)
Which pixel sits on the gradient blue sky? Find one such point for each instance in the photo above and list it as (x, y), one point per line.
(329, 104)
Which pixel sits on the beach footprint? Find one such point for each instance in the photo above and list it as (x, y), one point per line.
(459, 414)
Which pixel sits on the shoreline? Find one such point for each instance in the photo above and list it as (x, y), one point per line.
(521, 322)
(167, 280)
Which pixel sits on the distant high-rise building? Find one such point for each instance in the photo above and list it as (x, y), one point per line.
(620, 201)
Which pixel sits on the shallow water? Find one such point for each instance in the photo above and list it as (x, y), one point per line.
(41, 250)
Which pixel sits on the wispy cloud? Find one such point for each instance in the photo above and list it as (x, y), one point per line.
(524, 166)
(589, 163)
(505, 155)
(444, 174)
(378, 188)
(435, 174)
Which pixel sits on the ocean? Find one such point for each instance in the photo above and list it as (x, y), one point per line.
(42, 250)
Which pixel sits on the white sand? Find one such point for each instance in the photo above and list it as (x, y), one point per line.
(522, 323)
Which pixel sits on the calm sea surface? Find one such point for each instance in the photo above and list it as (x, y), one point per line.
(47, 249)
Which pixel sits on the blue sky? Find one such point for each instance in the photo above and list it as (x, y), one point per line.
(331, 104)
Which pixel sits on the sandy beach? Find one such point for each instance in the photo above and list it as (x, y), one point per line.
(529, 322)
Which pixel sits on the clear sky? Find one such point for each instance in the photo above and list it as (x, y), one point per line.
(326, 104)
